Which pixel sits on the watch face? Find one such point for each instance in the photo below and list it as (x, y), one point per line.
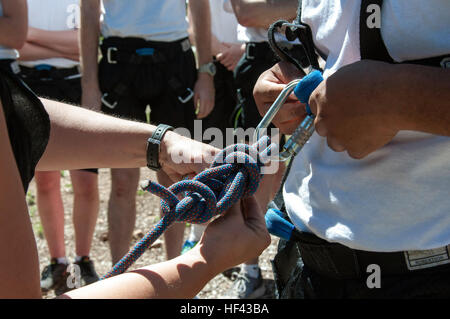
(212, 69)
(209, 68)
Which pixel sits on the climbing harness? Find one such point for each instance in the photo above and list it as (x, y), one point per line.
(115, 53)
(234, 174)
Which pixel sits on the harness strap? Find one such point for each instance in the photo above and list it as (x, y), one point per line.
(373, 47)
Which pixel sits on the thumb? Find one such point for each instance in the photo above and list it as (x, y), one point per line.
(251, 209)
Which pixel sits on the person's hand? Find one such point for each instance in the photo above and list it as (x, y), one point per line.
(269, 86)
(181, 156)
(357, 107)
(231, 55)
(204, 95)
(91, 97)
(237, 236)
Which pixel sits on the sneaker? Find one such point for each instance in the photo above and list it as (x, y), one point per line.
(246, 287)
(54, 276)
(232, 273)
(87, 271)
(188, 245)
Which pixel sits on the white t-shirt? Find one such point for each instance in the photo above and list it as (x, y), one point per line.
(246, 34)
(398, 198)
(5, 52)
(223, 23)
(53, 15)
(154, 20)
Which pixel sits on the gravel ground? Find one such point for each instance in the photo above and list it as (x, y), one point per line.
(147, 216)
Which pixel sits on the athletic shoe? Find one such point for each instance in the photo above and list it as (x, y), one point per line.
(54, 276)
(188, 245)
(87, 271)
(246, 287)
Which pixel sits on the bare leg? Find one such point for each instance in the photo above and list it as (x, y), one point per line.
(51, 211)
(122, 210)
(85, 209)
(173, 236)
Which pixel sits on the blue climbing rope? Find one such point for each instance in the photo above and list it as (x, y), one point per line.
(234, 174)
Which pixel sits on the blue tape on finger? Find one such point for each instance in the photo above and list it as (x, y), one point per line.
(306, 86)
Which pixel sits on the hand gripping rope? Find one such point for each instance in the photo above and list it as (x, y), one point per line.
(234, 174)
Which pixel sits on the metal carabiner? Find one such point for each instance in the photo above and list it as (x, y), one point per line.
(302, 89)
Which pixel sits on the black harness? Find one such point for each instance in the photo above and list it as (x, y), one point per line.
(134, 58)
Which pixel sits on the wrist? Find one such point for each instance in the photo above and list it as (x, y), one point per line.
(203, 256)
(401, 113)
(207, 69)
(164, 153)
(157, 150)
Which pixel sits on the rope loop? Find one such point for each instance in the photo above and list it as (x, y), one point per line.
(234, 174)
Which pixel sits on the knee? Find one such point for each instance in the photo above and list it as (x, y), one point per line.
(86, 189)
(47, 182)
(124, 186)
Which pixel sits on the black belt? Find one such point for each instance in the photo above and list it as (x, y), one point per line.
(140, 51)
(341, 262)
(49, 73)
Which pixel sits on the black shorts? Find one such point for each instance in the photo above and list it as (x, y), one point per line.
(58, 84)
(161, 80)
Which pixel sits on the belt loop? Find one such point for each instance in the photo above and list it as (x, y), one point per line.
(15, 67)
(185, 45)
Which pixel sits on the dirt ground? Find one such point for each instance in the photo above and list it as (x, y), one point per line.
(147, 217)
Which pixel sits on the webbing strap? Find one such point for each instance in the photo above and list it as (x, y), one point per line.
(372, 45)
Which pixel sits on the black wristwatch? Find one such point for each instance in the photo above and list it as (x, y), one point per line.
(154, 146)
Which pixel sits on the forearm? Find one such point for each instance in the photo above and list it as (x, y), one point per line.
(181, 277)
(201, 27)
(33, 52)
(14, 23)
(80, 138)
(65, 42)
(19, 275)
(262, 13)
(89, 36)
(423, 98)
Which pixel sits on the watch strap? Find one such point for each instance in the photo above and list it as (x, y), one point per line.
(154, 146)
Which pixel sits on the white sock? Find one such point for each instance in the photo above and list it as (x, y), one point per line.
(196, 232)
(77, 258)
(250, 270)
(61, 260)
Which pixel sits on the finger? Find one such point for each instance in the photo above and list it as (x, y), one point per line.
(268, 91)
(334, 144)
(251, 209)
(320, 126)
(289, 112)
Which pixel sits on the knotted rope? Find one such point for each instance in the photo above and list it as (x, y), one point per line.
(234, 174)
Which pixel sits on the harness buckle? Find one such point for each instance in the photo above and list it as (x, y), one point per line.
(109, 55)
(108, 104)
(248, 51)
(190, 95)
